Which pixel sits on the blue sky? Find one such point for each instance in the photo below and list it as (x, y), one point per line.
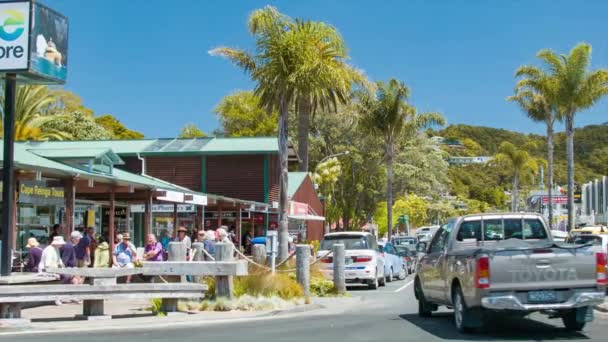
(147, 63)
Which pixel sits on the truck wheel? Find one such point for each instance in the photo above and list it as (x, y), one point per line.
(424, 308)
(382, 281)
(461, 312)
(570, 322)
(390, 277)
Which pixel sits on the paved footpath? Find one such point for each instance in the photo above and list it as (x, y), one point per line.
(389, 314)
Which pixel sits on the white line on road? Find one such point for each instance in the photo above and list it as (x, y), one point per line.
(404, 286)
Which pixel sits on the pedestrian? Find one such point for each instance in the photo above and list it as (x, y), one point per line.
(209, 243)
(182, 236)
(92, 243)
(81, 249)
(68, 257)
(222, 235)
(34, 255)
(102, 254)
(247, 241)
(291, 247)
(51, 257)
(124, 254)
(153, 250)
(55, 231)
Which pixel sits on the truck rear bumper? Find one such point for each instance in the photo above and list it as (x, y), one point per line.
(511, 302)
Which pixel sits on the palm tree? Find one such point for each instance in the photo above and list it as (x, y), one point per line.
(325, 79)
(31, 105)
(389, 115)
(573, 88)
(519, 163)
(537, 107)
(279, 67)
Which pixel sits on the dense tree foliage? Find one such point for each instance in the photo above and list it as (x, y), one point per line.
(78, 126)
(116, 128)
(240, 115)
(191, 131)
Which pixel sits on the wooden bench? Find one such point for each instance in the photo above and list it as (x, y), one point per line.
(96, 276)
(93, 296)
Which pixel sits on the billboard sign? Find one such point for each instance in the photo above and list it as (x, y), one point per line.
(556, 199)
(49, 44)
(14, 36)
(33, 42)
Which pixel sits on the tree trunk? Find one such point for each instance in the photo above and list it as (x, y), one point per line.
(303, 128)
(550, 171)
(570, 158)
(283, 174)
(389, 189)
(514, 194)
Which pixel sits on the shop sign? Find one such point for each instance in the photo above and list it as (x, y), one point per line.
(198, 199)
(164, 208)
(33, 42)
(225, 214)
(171, 196)
(38, 192)
(118, 212)
(556, 199)
(298, 208)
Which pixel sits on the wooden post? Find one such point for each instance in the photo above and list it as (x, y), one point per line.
(177, 252)
(111, 225)
(303, 269)
(239, 233)
(148, 215)
(339, 268)
(258, 253)
(174, 220)
(219, 215)
(69, 196)
(199, 255)
(224, 284)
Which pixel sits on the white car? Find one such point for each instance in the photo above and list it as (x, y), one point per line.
(364, 263)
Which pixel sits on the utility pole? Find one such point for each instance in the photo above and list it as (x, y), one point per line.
(8, 176)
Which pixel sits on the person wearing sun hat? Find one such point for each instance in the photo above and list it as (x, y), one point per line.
(34, 255)
(50, 255)
(124, 254)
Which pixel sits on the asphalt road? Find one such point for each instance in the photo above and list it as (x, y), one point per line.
(389, 314)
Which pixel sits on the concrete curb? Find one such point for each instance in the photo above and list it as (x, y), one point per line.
(158, 322)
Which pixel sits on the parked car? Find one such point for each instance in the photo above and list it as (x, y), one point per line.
(364, 262)
(407, 241)
(600, 240)
(409, 257)
(393, 266)
(508, 263)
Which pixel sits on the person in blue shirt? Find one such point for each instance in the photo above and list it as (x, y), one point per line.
(124, 254)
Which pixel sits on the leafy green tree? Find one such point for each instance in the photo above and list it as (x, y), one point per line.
(117, 129)
(389, 116)
(520, 164)
(326, 176)
(78, 126)
(67, 102)
(241, 115)
(416, 208)
(191, 131)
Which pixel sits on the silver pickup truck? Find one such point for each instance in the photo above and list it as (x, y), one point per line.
(509, 264)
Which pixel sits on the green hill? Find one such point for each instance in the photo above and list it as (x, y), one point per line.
(483, 182)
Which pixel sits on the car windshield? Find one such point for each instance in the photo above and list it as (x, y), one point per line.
(403, 250)
(349, 241)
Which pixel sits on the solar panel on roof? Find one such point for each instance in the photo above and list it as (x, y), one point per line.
(158, 145)
(198, 144)
(177, 145)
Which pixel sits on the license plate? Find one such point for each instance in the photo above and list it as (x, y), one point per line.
(351, 274)
(542, 296)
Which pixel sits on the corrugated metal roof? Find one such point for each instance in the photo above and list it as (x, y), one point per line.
(78, 153)
(164, 146)
(295, 179)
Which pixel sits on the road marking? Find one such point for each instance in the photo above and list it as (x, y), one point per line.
(404, 286)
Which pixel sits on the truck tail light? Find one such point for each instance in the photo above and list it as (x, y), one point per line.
(482, 273)
(600, 268)
(362, 258)
(327, 260)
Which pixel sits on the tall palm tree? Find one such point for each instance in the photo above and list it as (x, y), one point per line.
(519, 163)
(31, 105)
(573, 88)
(325, 78)
(389, 115)
(537, 107)
(281, 64)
